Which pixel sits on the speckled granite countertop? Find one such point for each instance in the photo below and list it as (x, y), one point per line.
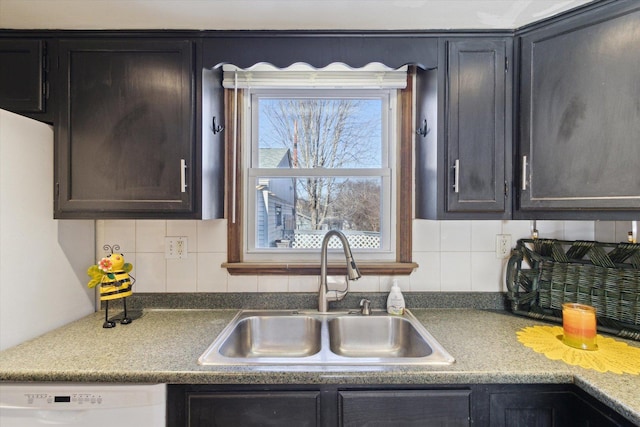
(163, 346)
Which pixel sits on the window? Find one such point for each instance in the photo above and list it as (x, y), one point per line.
(325, 157)
(316, 151)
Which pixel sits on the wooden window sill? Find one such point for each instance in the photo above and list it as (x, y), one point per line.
(306, 269)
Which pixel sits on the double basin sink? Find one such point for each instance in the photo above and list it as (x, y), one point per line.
(263, 338)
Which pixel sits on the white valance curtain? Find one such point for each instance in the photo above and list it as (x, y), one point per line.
(304, 76)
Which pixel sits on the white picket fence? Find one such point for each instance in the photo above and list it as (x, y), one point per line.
(312, 239)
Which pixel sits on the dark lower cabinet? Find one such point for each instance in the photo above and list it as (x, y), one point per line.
(548, 406)
(379, 408)
(488, 405)
(278, 408)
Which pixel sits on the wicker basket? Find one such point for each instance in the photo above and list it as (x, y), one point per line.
(542, 274)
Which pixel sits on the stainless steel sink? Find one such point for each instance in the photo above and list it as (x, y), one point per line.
(292, 338)
(273, 336)
(377, 336)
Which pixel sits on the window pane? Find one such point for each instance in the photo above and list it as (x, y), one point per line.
(296, 212)
(320, 132)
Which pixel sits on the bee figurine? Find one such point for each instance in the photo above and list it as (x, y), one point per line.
(112, 274)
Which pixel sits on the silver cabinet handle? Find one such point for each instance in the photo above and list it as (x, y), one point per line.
(456, 176)
(183, 176)
(524, 172)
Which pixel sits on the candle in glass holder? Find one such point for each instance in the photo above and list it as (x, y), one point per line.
(579, 326)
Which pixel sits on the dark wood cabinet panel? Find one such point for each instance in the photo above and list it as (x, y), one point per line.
(22, 75)
(443, 408)
(541, 409)
(476, 129)
(125, 143)
(212, 147)
(580, 115)
(282, 49)
(548, 406)
(463, 163)
(264, 409)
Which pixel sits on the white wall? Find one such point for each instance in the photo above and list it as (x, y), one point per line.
(43, 262)
(453, 255)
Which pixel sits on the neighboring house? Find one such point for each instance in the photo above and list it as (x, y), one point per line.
(275, 201)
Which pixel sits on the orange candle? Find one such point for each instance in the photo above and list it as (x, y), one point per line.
(579, 326)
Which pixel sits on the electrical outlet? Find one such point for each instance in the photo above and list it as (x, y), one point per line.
(503, 245)
(175, 247)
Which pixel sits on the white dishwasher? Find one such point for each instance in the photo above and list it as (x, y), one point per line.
(86, 405)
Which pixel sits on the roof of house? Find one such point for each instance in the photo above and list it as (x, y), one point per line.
(274, 158)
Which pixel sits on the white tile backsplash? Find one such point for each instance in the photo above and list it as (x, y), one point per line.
(150, 272)
(551, 229)
(211, 277)
(242, 283)
(452, 255)
(120, 232)
(486, 272)
(273, 283)
(182, 274)
(304, 283)
(212, 236)
(426, 278)
(605, 231)
(455, 236)
(150, 235)
(186, 229)
(483, 235)
(455, 271)
(365, 284)
(622, 231)
(579, 230)
(426, 235)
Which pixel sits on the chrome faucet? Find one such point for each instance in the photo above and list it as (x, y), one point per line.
(324, 294)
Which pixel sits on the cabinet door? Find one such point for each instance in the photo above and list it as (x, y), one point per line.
(22, 75)
(247, 409)
(477, 73)
(580, 115)
(540, 409)
(125, 140)
(526, 407)
(463, 146)
(404, 408)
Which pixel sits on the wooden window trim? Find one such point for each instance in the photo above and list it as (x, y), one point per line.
(403, 264)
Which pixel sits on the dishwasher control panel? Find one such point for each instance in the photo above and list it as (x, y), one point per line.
(78, 396)
(39, 399)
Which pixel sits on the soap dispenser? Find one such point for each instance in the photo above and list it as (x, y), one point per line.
(395, 300)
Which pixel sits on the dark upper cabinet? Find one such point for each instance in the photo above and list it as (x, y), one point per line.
(463, 148)
(579, 155)
(126, 144)
(24, 68)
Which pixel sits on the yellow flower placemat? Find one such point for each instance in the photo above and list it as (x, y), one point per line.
(611, 355)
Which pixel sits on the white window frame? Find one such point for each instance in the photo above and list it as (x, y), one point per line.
(387, 172)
